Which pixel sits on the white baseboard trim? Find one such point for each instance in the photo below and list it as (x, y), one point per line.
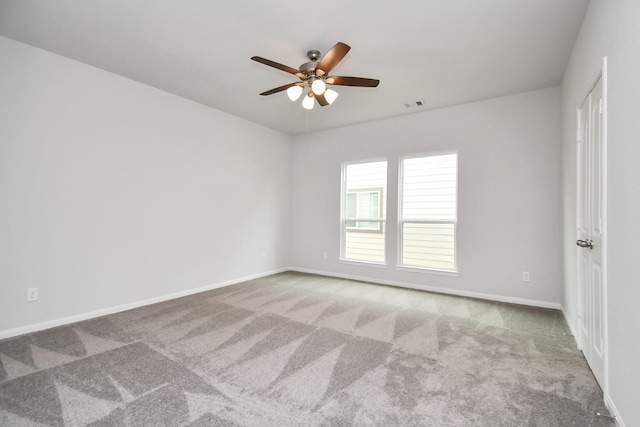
(457, 292)
(570, 325)
(9, 333)
(614, 411)
(606, 397)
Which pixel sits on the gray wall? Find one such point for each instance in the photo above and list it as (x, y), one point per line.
(610, 29)
(509, 194)
(113, 192)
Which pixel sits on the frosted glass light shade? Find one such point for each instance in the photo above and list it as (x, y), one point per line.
(330, 95)
(308, 102)
(318, 86)
(294, 92)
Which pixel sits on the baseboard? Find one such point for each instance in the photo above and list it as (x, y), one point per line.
(479, 295)
(521, 301)
(570, 325)
(607, 398)
(9, 333)
(614, 411)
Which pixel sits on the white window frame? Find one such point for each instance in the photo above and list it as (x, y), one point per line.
(343, 219)
(402, 222)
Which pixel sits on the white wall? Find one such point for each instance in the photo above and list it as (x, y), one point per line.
(610, 29)
(509, 194)
(113, 192)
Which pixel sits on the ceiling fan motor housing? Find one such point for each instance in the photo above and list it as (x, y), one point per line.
(309, 68)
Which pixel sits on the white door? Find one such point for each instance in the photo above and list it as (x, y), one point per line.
(590, 230)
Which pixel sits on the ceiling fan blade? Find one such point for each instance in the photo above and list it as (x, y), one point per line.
(352, 81)
(274, 64)
(322, 100)
(332, 58)
(279, 89)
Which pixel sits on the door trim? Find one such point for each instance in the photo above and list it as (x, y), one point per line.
(601, 75)
(605, 233)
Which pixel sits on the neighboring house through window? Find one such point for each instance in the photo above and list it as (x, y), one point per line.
(364, 203)
(428, 211)
(363, 211)
(427, 208)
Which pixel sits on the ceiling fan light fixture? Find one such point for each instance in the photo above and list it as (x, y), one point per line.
(315, 76)
(308, 101)
(294, 92)
(330, 95)
(318, 86)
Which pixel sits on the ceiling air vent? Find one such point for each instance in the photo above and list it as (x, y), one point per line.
(414, 104)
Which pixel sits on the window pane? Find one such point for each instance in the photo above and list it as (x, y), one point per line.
(364, 205)
(429, 188)
(365, 185)
(375, 205)
(428, 211)
(361, 246)
(366, 175)
(428, 245)
(368, 225)
(352, 200)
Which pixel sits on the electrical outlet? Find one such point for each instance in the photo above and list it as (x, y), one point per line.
(526, 276)
(324, 255)
(32, 294)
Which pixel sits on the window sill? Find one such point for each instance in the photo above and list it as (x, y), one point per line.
(363, 263)
(451, 273)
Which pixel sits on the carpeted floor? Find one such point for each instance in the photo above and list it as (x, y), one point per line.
(303, 350)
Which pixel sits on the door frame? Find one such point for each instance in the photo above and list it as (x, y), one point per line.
(601, 75)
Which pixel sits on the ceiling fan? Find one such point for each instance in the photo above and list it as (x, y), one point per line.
(314, 76)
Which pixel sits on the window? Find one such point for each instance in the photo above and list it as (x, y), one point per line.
(363, 211)
(428, 211)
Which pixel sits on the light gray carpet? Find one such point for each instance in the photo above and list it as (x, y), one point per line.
(303, 350)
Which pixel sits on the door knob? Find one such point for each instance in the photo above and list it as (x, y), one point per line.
(585, 243)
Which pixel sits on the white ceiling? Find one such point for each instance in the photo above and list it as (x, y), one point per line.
(444, 52)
